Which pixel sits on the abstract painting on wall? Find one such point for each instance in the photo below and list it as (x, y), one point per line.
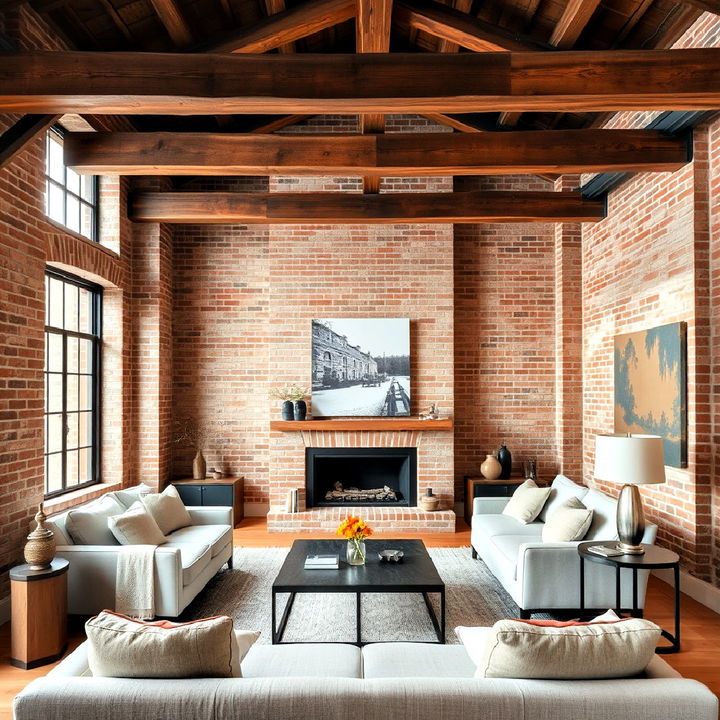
(650, 387)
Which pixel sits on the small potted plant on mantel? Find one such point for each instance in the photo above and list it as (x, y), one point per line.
(294, 406)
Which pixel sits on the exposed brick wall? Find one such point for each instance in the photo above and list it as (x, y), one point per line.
(504, 337)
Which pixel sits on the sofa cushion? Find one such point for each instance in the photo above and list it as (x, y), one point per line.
(303, 660)
(167, 509)
(88, 525)
(568, 523)
(193, 559)
(604, 522)
(526, 502)
(508, 546)
(492, 525)
(420, 660)
(562, 489)
(121, 647)
(593, 651)
(216, 536)
(135, 526)
(131, 495)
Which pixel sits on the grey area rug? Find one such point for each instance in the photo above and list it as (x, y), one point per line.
(472, 596)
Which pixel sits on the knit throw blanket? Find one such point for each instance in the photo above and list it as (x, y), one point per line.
(135, 581)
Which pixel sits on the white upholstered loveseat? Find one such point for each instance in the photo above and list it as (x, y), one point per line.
(183, 565)
(543, 576)
(414, 681)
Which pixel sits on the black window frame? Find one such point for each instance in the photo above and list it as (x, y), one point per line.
(95, 337)
(63, 186)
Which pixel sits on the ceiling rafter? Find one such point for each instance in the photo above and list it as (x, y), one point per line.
(448, 46)
(274, 7)
(572, 22)
(172, 20)
(21, 134)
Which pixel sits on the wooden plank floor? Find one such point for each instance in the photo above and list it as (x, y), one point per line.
(699, 659)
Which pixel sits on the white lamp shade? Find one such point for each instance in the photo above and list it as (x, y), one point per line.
(634, 459)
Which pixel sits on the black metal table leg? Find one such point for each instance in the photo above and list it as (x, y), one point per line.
(442, 616)
(674, 639)
(277, 635)
(635, 607)
(358, 625)
(272, 634)
(582, 586)
(438, 626)
(618, 598)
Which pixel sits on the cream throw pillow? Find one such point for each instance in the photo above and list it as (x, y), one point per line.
(136, 527)
(527, 502)
(88, 525)
(568, 523)
(167, 509)
(568, 651)
(119, 646)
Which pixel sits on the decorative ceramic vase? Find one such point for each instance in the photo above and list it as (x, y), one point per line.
(505, 459)
(288, 411)
(199, 466)
(491, 468)
(355, 553)
(429, 502)
(300, 410)
(40, 547)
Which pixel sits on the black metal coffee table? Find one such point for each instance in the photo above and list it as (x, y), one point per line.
(415, 574)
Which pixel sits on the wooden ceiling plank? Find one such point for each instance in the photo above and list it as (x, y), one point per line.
(712, 6)
(181, 84)
(119, 23)
(447, 46)
(284, 208)
(460, 28)
(173, 21)
(23, 132)
(285, 27)
(632, 21)
(572, 22)
(273, 7)
(415, 154)
(279, 124)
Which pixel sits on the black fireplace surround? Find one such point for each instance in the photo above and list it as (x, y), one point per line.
(362, 468)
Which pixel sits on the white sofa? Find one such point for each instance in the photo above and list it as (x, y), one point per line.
(414, 681)
(183, 565)
(546, 576)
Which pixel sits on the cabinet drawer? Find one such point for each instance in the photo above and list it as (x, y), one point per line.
(217, 495)
(190, 494)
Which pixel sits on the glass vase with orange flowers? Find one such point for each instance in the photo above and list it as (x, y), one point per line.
(354, 530)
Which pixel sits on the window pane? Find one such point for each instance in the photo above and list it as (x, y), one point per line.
(71, 477)
(72, 428)
(53, 352)
(54, 393)
(71, 307)
(55, 203)
(72, 355)
(85, 432)
(55, 166)
(55, 301)
(85, 359)
(86, 303)
(87, 219)
(53, 440)
(87, 187)
(73, 182)
(85, 389)
(53, 473)
(73, 213)
(85, 466)
(72, 393)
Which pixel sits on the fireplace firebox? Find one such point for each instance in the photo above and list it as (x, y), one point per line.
(361, 476)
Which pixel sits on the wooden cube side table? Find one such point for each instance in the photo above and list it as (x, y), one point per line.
(38, 627)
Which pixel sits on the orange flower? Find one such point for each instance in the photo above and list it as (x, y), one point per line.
(354, 528)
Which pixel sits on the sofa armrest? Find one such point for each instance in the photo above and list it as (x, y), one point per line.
(211, 515)
(489, 505)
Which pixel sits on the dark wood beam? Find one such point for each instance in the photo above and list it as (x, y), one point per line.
(173, 21)
(23, 132)
(712, 6)
(279, 123)
(180, 84)
(372, 35)
(335, 208)
(569, 151)
(572, 22)
(460, 28)
(448, 46)
(285, 27)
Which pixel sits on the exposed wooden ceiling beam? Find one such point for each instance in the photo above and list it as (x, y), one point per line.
(274, 7)
(285, 27)
(460, 28)
(180, 84)
(279, 123)
(712, 6)
(372, 35)
(568, 151)
(447, 46)
(19, 135)
(281, 208)
(572, 22)
(173, 21)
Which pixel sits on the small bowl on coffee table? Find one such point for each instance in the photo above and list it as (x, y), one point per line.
(391, 555)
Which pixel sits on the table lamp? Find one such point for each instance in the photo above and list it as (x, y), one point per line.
(633, 460)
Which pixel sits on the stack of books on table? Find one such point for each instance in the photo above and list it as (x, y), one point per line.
(322, 562)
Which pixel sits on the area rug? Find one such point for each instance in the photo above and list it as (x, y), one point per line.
(472, 596)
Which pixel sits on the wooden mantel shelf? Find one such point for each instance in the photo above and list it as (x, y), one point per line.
(371, 424)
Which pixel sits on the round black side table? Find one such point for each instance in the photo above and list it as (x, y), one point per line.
(654, 558)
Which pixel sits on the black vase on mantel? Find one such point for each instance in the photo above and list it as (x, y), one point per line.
(300, 409)
(505, 459)
(288, 412)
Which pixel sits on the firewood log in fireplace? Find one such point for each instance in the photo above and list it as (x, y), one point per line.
(353, 494)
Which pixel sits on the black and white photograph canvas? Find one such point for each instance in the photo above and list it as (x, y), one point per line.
(361, 367)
